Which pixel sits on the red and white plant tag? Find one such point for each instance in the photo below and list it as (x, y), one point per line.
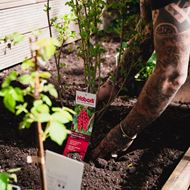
(78, 140)
(86, 99)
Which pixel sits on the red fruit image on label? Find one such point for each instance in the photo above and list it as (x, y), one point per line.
(83, 120)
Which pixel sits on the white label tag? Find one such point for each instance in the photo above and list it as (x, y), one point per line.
(15, 187)
(63, 173)
(86, 99)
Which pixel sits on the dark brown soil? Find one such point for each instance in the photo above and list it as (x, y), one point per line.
(146, 165)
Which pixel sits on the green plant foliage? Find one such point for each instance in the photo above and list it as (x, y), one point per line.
(147, 69)
(88, 17)
(121, 15)
(6, 178)
(41, 110)
(47, 47)
(12, 39)
(60, 24)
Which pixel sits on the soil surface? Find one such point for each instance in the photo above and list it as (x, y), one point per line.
(146, 165)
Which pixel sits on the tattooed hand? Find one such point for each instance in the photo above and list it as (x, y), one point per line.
(115, 141)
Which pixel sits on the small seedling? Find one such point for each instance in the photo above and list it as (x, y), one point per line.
(7, 178)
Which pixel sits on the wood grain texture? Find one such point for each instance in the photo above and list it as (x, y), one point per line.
(7, 4)
(180, 178)
(25, 19)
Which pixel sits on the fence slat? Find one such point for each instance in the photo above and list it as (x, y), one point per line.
(180, 178)
(26, 19)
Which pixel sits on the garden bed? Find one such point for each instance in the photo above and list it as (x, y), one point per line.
(146, 165)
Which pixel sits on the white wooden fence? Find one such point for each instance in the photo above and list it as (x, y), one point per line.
(25, 16)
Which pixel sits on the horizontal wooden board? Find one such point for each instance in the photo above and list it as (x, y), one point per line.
(19, 52)
(7, 4)
(25, 19)
(29, 18)
(180, 178)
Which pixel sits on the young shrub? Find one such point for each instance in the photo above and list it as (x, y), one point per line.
(50, 121)
(88, 17)
(61, 25)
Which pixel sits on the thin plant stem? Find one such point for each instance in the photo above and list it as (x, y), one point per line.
(87, 49)
(56, 58)
(84, 56)
(48, 19)
(40, 146)
(102, 111)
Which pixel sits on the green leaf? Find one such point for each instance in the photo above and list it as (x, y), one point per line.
(1, 93)
(53, 92)
(37, 103)
(26, 122)
(69, 110)
(47, 47)
(57, 132)
(17, 38)
(44, 117)
(56, 109)
(17, 94)
(39, 107)
(9, 102)
(25, 79)
(21, 108)
(4, 177)
(43, 108)
(51, 89)
(152, 59)
(62, 117)
(12, 76)
(45, 75)
(34, 74)
(28, 63)
(46, 8)
(46, 99)
(4, 91)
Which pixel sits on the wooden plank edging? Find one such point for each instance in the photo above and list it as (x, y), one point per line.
(180, 177)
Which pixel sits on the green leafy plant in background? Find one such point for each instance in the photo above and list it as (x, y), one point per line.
(115, 12)
(7, 178)
(41, 110)
(61, 25)
(11, 40)
(88, 15)
(147, 69)
(129, 28)
(50, 121)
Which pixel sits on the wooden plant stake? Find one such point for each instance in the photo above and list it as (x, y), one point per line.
(40, 146)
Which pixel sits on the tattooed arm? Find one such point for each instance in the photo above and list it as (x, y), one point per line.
(145, 10)
(171, 40)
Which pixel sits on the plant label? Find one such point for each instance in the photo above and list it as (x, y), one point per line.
(63, 173)
(78, 141)
(85, 99)
(15, 187)
(77, 145)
